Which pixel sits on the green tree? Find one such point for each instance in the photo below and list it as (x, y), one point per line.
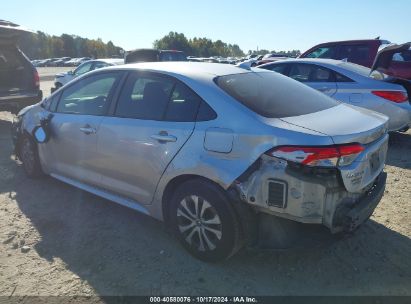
(173, 41)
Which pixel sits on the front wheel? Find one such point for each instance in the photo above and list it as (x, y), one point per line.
(29, 157)
(204, 221)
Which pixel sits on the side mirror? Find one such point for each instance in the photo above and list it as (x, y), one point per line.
(40, 135)
(70, 72)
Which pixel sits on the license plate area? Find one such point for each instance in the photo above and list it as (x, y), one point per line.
(375, 161)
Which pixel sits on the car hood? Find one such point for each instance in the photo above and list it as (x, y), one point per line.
(344, 123)
(10, 31)
(384, 57)
(61, 74)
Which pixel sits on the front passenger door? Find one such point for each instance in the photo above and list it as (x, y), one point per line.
(75, 126)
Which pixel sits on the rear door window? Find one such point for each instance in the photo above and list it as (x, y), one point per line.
(354, 53)
(272, 95)
(279, 68)
(144, 97)
(183, 104)
(310, 73)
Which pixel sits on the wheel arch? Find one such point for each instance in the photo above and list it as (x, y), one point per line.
(174, 183)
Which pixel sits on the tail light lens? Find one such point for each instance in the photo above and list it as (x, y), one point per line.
(394, 96)
(36, 79)
(327, 156)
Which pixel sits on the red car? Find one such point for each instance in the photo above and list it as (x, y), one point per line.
(392, 59)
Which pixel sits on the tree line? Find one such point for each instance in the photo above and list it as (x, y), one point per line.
(40, 45)
(199, 47)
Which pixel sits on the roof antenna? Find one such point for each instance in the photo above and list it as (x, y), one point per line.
(377, 38)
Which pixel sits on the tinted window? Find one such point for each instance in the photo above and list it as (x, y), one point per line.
(279, 68)
(342, 78)
(300, 72)
(144, 97)
(354, 53)
(183, 105)
(273, 95)
(310, 73)
(172, 56)
(322, 52)
(206, 113)
(88, 96)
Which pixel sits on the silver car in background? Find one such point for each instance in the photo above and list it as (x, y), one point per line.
(87, 66)
(213, 150)
(353, 84)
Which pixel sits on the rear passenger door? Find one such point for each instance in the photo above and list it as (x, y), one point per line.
(154, 117)
(315, 76)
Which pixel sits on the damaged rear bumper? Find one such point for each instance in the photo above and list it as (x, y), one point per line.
(348, 218)
(318, 197)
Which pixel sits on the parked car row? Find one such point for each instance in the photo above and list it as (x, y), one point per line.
(59, 62)
(377, 54)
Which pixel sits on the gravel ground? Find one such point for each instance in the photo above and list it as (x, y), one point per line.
(57, 240)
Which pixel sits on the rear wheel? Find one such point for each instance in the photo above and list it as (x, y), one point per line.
(204, 221)
(29, 157)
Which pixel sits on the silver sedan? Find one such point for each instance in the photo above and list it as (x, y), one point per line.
(353, 84)
(215, 151)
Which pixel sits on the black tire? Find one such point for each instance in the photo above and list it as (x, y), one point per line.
(215, 246)
(29, 156)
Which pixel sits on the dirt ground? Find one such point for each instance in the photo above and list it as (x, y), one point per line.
(57, 240)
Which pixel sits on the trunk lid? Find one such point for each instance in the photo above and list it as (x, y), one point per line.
(349, 124)
(344, 124)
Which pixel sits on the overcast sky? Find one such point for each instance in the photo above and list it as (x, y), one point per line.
(272, 25)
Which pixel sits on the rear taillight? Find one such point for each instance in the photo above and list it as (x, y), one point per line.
(36, 79)
(394, 96)
(327, 156)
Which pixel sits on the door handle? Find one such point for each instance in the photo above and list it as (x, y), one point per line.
(164, 137)
(88, 130)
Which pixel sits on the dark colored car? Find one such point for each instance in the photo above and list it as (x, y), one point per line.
(377, 54)
(19, 79)
(152, 55)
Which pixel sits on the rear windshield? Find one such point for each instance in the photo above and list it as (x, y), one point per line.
(142, 56)
(362, 70)
(172, 56)
(273, 95)
(10, 59)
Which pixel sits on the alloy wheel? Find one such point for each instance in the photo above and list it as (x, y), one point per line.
(199, 223)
